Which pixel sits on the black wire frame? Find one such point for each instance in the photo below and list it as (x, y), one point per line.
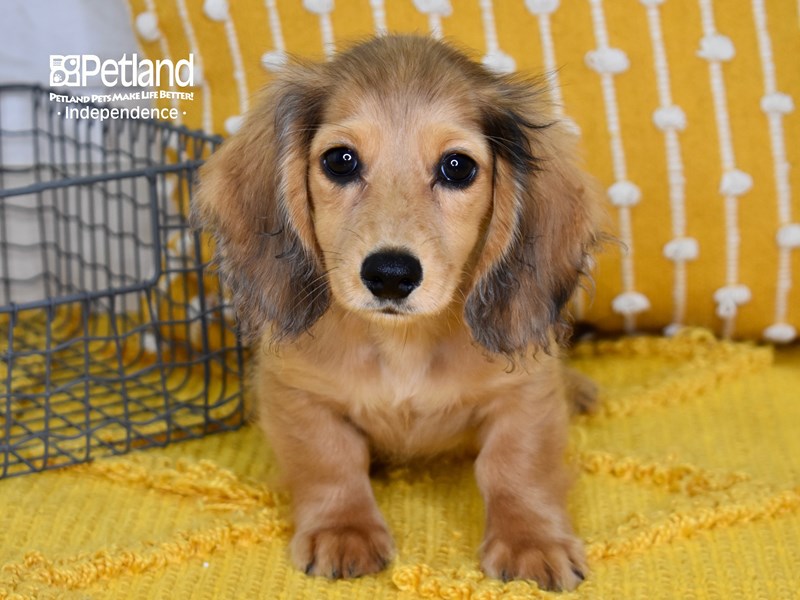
(102, 347)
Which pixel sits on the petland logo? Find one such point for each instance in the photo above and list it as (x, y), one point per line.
(74, 70)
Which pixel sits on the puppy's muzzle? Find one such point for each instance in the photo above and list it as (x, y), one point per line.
(391, 275)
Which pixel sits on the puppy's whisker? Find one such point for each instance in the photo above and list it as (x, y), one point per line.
(451, 323)
(433, 238)
(357, 236)
(315, 287)
(512, 146)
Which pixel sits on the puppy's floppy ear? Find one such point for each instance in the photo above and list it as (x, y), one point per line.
(253, 197)
(543, 225)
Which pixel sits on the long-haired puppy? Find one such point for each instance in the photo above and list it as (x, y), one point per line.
(399, 227)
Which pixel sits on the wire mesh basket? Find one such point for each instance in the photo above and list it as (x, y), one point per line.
(115, 333)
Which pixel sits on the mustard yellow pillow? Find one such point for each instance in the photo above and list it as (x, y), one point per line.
(686, 110)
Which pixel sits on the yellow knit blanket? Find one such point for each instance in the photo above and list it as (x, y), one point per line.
(688, 487)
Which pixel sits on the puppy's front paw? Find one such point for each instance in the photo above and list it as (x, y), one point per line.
(343, 550)
(557, 564)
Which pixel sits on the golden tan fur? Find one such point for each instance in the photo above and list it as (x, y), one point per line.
(338, 380)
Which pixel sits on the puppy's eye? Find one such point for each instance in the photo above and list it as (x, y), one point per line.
(457, 170)
(341, 164)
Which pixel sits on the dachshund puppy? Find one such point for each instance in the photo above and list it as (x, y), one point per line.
(400, 229)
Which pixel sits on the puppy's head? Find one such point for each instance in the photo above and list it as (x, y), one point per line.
(398, 180)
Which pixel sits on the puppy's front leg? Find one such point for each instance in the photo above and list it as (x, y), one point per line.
(339, 531)
(523, 480)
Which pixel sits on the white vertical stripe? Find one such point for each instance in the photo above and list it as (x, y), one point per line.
(435, 9)
(620, 165)
(379, 17)
(606, 72)
(274, 60)
(494, 59)
(164, 47)
(194, 48)
(549, 59)
(489, 28)
(609, 94)
(435, 25)
(554, 86)
(275, 26)
(542, 14)
(764, 46)
(675, 168)
(599, 24)
(780, 162)
(727, 303)
(721, 116)
(238, 64)
(326, 28)
(323, 8)
(659, 55)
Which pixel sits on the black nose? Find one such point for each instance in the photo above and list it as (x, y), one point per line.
(391, 275)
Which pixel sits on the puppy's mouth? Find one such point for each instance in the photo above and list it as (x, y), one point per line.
(392, 309)
(397, 311)
(387, 310)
